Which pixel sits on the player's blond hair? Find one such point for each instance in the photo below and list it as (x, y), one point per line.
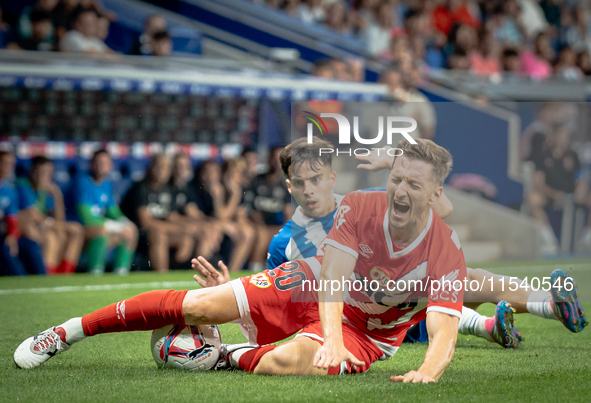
(426, 150)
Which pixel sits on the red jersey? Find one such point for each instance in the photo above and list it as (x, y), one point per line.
(410, 279)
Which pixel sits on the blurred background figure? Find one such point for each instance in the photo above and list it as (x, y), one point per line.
(83, 37)
(91, 201)
(160, 44)
(10, 265)
(41, 33)
(270, 206)
(152, 24)
(150, 205)
(221, 198)
(60, 240)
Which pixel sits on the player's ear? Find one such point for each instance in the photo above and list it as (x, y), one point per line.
(436, 195)
(333, 177)
(288, 183)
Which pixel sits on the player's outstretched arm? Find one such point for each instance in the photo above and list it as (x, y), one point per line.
(208, 275)
(336, 266)
(443, 332)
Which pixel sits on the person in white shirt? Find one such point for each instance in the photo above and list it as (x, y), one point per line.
(83, 36)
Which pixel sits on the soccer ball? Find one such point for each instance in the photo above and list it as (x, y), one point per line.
(192, 348)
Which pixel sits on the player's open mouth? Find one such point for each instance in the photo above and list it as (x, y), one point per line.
(312, 204)
(400, 209)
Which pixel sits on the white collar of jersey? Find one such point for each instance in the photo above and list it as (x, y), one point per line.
(301, 220)
(414, 243)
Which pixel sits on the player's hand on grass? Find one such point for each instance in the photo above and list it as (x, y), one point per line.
(208, 275)
(413, 377)
(377, 159)
(329, 356)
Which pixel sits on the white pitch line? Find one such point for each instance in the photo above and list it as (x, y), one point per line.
(104, 287)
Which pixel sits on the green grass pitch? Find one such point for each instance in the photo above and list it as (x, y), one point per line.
(552, 364)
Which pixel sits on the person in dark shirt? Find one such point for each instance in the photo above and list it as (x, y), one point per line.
(185, 208)
(556, 168)
(152, 24)
(41, 30)
(270, 206)
(149, 205)
(221, 199)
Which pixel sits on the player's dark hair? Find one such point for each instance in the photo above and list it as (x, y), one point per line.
(98, 153)
(300, 151)
(38, 161)
(426, 150)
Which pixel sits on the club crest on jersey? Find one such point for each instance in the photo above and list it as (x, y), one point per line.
(380, 276)
(260, 280)
(339, 218)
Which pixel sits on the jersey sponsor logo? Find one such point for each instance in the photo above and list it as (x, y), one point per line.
(339, 218)
(260, 280)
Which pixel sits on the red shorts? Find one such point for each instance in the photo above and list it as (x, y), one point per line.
(273, 307)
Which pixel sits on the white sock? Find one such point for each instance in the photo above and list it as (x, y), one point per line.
(257, 267)
(236, 354)
(473, 323)
(74, 330)
(540, 303)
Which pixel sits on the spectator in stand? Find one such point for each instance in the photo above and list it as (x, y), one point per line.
(186, 212)
(222, 201)
(584, 62)
(251, 159)
(337, 18)
(9, 226)
(61, 241)
(454, 12)
(556, 168)
(392, 78)
(510, 61)
(4, 26)
(484, 60)
(566, 67)
(577, 34)
(378, 33)
(552, 11)
(311, 11)
(340, 70)
(150, 205)
(25, 29)
(91, 202)
(62, 17)
(83, 35)
(161, 44)
(536, 64)
(532, 18)
(142, 46)
(323, 69)
(103, 24)
(41, 28)
(270, 206)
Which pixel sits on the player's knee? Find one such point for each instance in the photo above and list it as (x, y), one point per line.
(198, 307)
(279, 361)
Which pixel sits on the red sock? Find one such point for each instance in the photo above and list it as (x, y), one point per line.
(51, 270)
(249, 360)
(489, 324)
(67, 267)
(147, 311)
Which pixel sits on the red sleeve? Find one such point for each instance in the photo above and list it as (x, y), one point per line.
(446, 277)
(12, 226)
(343, 234)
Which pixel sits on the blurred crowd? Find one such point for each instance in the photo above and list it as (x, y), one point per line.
(537, 39)
(226, 211)
(79, 26)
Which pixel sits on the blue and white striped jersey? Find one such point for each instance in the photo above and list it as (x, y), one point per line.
(300, 237)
